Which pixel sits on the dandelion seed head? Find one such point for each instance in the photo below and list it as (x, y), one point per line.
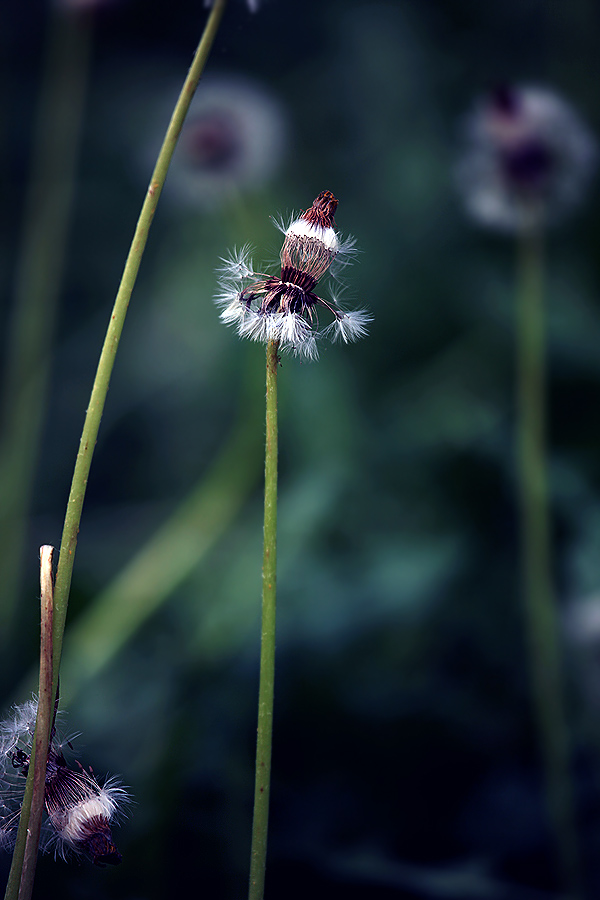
(233, 142)
(81, 812)
(234, 139)
(284, 307)
(582, 621)
(527, 159)
(80, 809)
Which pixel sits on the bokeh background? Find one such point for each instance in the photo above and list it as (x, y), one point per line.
(406, 762)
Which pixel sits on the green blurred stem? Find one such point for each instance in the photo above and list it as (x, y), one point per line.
(262, 784)
(38, 278)
(22, 871)
(113, 334)
(167, 558)
(540, 602)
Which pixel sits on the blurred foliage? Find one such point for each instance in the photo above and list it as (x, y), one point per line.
(405, 759)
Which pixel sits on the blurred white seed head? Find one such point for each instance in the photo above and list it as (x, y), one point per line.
(233, 139)
(285, 307)
(81, 810)
(527, 159)
(581, 623)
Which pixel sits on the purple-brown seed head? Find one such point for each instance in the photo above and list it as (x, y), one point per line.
(527, 158)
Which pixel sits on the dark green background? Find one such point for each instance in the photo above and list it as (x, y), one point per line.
(405, 758)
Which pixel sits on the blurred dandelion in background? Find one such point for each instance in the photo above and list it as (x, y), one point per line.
(234, 140)
(527, 158)
(582, 630)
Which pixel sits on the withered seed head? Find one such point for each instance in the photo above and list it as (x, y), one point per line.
(80, 809)
(284, 307)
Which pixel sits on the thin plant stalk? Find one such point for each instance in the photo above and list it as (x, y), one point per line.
(538, 589)
(262, 782)
(113, 334)
(38, 278)
(22, 871)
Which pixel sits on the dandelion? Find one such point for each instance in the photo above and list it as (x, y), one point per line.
(282, 311)
(234, 138)
(527, 159)
(284, 307)
(80, 809)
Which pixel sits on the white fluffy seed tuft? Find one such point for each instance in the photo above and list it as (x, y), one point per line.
(302, 229)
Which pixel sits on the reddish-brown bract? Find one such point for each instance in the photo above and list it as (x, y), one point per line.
(322, 211)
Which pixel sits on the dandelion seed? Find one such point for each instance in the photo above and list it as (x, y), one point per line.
(284, 307)
(527, 159)
(80, 809)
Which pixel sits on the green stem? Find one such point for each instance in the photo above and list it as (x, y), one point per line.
(38, 278)
(540, 603)
(113, 334)
(22, 870)
(262, 782)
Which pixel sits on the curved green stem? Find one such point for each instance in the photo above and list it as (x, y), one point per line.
(113, 334)
(98, 398)
(538, 592)
(262, 784)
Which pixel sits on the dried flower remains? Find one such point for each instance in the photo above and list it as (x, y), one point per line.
(80, 809)
(527, 159)
(284, 307)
